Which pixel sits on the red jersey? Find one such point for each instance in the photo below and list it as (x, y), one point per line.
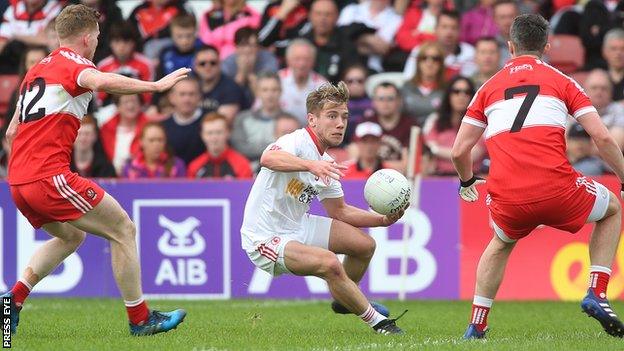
(524, 108)
(51, 106)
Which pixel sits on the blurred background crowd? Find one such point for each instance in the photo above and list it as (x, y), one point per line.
(406, 63)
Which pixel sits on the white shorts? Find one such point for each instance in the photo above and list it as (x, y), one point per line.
(269, 253)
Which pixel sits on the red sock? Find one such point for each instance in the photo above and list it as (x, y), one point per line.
(20, 293)
(137, 311)
(598, 280)
(479, 317)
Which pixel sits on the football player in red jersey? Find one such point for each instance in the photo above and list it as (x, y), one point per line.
(523, 110)
(53, 100)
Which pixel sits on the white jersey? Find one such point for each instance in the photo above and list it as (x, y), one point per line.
(279, 200)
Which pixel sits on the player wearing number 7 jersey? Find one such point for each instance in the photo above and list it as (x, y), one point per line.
(53, 100)
(523, 110)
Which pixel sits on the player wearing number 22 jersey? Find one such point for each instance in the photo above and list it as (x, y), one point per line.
(52, 104)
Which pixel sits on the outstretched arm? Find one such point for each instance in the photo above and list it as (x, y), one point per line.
(114, 83)
(282, 161)
(338, 209)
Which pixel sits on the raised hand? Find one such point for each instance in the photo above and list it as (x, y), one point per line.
(168, 81)
(325, 170)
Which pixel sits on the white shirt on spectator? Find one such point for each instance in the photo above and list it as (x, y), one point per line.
(293, 99)
(17, 21)
(613, 115)
(386, 22)
(462, 62)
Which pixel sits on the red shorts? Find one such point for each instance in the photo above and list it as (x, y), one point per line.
(585, 201)
(60, 198)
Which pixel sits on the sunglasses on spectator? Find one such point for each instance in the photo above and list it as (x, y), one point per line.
(432, 58)
(463, 91)
(209, 62)
(385, 98)
(355, 81)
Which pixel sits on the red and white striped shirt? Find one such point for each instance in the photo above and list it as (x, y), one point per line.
(16, 20)
(524, 108)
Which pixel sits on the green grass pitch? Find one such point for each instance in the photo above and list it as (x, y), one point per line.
(100, 324)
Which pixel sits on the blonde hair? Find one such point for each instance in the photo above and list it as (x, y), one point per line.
(327, 93)
(76, 19)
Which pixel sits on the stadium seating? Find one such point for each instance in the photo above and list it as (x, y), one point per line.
(8, 82)
(566, 53)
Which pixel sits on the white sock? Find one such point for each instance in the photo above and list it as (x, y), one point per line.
(371, 316)
(26, 283)
(482, 301)
(134, 303)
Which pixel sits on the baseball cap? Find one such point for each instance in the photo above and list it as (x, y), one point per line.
(577, 131)
(368, 128)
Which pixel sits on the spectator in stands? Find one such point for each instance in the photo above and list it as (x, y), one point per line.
(298, 78)
(613, 52)
(52, 40)
(599, 89)
(182, 128)
(334, 47)
(31, 57)
(247, 61)
(418, 25)
(442, 126)
(368, 142)
(380, 16)
(219, 160)
(422, 94)
(458, 56)
(155, 159)
(478, 22)
(180, 54)
(220, 93)
(281, 21)
(359, 102)
(125, 59)
(5, 152)
(580, 150)
(387, 112)
(504, 13)
(285, 123)
(24, 23)
(253, 129)
(597, 19)
(110, 14)
(219, 24)
(151, 19)
(487, 59)
(88, 158)
(120, 134)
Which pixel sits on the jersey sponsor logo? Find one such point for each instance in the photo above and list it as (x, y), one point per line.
(303, 193)
(76, 58)
(524, 67)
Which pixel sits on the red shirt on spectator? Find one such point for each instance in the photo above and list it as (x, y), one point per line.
(152, 21)
(108, 135)
(229, 164)
(16, 20)
(356, 171)
(138, 66)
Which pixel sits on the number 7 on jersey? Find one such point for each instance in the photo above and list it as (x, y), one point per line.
(531, 92)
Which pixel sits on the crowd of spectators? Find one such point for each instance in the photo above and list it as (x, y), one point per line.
(405, 62)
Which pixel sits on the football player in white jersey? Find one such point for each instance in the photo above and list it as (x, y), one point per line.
(279, 235)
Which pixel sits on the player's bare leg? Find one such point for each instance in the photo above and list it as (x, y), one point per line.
(358, 249)
(490, 272)
(305, 260)
(47, 257)
(602, 249)
(110, 221)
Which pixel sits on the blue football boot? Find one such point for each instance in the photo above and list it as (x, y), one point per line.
(473, 333)
(601, 310)
(158, 322)
(340, 309)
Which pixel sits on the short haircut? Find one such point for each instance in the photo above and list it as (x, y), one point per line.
(486, 40)
(387, 85)
(243, 35)
(529, 34)
(615, 33)
(207, 47)
(300, 42)
(123, 31)
(268, 75)
(89, 120)
(184, 20)
(117, 98)
(190, 78)
(214, 116)
(449, 13)
(76, 19)
(327, 93)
